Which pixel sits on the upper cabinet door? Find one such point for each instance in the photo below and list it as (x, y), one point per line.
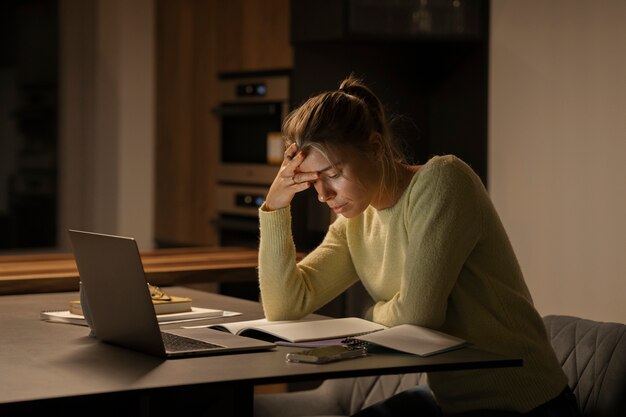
(253, 35)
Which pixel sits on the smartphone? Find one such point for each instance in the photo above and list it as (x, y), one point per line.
(326, 354)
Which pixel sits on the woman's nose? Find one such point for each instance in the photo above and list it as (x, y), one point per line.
(324, 193)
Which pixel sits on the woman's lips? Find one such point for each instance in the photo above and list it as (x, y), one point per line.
(339, 209)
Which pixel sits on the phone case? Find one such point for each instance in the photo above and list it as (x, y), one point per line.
(326, 354)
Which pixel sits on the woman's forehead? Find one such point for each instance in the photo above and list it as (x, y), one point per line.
(316, 161)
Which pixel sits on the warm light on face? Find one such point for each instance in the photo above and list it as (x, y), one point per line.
(347, 187)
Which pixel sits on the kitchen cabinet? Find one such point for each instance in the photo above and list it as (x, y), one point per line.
(195, 41)
(186, 132)
(253, 35)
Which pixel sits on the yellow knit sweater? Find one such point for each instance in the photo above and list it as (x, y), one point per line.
(439, 258)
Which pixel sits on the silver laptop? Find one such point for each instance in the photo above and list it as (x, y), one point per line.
(120, 307)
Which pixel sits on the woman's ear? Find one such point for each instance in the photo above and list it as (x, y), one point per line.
(376, 145)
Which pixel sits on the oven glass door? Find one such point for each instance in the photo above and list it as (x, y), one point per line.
(244, 131)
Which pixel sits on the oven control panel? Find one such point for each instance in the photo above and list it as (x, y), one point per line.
(249, 200)
(251, 90)
(254, 89)
(240, 200)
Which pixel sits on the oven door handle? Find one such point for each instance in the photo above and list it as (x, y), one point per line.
(265, 109)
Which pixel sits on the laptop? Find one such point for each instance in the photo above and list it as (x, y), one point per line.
(120, 307)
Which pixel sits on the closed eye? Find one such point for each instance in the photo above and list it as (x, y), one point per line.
(331, 172)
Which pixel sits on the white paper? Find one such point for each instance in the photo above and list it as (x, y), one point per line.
(413, 339)
(196, 313)
(303, 330)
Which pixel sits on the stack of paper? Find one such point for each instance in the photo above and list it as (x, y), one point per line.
(196, 313)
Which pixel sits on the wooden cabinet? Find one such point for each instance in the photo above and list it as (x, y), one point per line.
(186, 130)
(253, 35)
(195, 40)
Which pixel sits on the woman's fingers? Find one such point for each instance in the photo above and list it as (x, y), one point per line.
(282, 191)
(293, 159)
(292, 166)
(305, 177)
(291, 163)
(292, 170)
(290, 180)
(290, 152)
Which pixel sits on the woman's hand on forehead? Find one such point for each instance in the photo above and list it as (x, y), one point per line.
(314, 162)
(290, 179)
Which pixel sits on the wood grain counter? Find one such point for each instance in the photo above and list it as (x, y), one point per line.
(40, 273)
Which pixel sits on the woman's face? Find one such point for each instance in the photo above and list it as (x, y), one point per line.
(349, 188)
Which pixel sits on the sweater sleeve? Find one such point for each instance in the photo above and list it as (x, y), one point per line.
(291, 290)
(444, 222)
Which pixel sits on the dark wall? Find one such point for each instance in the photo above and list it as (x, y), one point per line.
(28, 123)
(439, 91)
(433, 79)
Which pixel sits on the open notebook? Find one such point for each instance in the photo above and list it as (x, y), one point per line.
(110, 268)
(407, 338)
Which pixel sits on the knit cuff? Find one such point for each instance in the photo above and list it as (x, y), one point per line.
(275, 227)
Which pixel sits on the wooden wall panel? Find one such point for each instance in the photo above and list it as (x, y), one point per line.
(254, 35)
(186, 128)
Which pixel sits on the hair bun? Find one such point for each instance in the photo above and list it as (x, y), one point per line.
(352, 86)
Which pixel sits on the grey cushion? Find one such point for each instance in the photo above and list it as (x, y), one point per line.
(335, 397)
(593, 356)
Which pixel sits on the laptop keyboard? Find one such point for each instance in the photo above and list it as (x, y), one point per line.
(177, 343)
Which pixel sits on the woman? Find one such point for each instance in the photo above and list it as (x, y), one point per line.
(425, 241)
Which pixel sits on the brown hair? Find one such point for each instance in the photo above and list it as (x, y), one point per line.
(345, 118)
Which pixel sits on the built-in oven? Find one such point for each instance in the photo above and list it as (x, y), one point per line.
(251, 110)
